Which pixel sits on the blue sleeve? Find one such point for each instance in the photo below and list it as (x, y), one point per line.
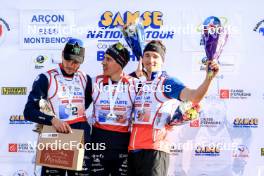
(174, 88)
(32, 111)
(88, 92)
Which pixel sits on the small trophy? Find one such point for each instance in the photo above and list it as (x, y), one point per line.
(45, 107)
(135, 38)
(214, 37)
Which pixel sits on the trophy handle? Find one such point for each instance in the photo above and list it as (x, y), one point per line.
(38, 128)
(45, 107)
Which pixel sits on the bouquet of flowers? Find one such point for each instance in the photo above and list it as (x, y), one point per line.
(186, 111)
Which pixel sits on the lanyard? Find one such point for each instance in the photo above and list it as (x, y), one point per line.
(113, 94)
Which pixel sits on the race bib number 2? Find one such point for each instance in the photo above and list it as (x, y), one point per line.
(66, 112)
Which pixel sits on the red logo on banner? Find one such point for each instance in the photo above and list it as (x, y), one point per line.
(195, 123)
(12, 147)
(4, 27)
(1, 30)
(224, 93)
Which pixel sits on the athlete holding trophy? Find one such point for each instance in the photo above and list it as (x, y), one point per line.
(149, 149)
(59, 98)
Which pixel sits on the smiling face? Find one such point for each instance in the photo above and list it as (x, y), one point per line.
(152, 61)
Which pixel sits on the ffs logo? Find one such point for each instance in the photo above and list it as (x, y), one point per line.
(259, 27)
